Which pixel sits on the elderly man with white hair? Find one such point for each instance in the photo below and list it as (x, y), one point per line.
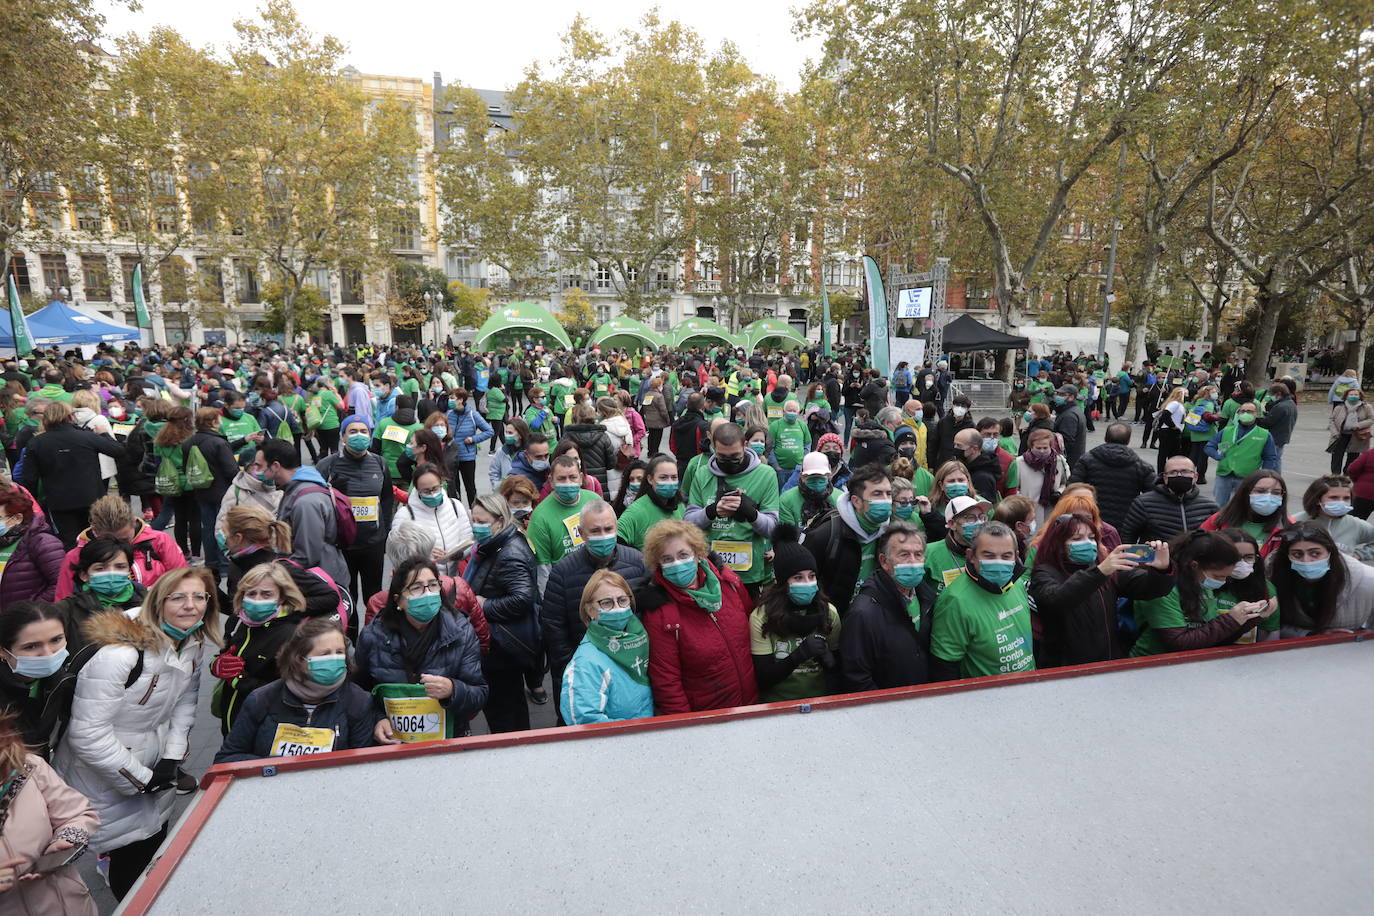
(791, 439)
(559, 615)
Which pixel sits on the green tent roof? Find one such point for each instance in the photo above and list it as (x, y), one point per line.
(699, 328)
(771, 329)
(621, 331)
(511, 323)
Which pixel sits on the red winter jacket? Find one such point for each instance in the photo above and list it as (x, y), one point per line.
(155, 552)
(1361, 472)
(698, 660)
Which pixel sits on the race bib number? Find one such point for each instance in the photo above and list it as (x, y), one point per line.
(398, 434)
(415, 718)
(295, 741)
(574, 525)
(950, 575)
(122, 429)
(1193, 418)
(738, 555)
(648, 399)
(775, 411)
(569, 402)
(365, 508)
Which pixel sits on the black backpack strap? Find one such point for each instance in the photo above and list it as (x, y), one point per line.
(135, 672)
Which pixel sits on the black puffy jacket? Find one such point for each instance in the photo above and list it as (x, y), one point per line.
(1119, 476)
(504, 573)
(1159, 515)
(559, 612)
(1078, 611)
(594, 448)
(879, 647)
(348, 712)
(872, 445)
(940, 443)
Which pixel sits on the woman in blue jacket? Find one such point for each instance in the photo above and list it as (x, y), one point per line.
(469, 430)
(608, 677)
(313, 709)
(419, 638)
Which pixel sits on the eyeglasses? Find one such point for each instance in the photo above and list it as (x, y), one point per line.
(188, 598)
(903, 502)
(610, 604)
(421, 589)
(1180, 473)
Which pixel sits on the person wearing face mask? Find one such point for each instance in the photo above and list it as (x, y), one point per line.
(1349, 429)
(561, 607)
(539, 417)
(940, 446)
(554, 531)
(1070, 424)
(981, 624)
(433, 508)
(1018, 513)
(308, 508)
(313, 708)
(886, 637)
(521, 496)
(132, 712)
(1250, 582)
(419, 638)
(593, 443)
(803, 504)
(832, 448)
(470, 429)
(1042, 471)
(1076, 583)
(1319, 589)
(1328, 504)
(983, 467)
(794, 633)
(1175, 505)
(503, 573)
(735, 501)
(775, 402)
(239, 426)
(660, 498)
(845, 543)
(1259, 506)
(697, 618)
(252, 537)
(392, 434)
(533, 463)
(384, 395)
(607, 678)
(494, 408)
(514, 435)
(790, 436)
(30, 557)
(359, 473)
(102, 580)
(35, 651)
(250, 487)
(1240, 449)
(951, 479)
(990, 431)
(1200, 611)
(964, 517)
(267, 608)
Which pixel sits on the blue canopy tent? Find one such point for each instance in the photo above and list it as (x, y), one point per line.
(62, 325)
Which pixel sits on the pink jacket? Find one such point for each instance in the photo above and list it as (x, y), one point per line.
(155, 552)
(637, 429)
(45, 809)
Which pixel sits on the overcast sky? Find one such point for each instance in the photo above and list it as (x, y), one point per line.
(482, 45)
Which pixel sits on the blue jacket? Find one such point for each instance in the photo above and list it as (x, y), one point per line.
(500, 467)
(454, 655)
(385, 407)
(348, 711)
(468, 423)
(596, 689)
(519, 465)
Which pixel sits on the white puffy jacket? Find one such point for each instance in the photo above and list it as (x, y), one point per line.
(117, 734)
(449, 521)
(618, 428)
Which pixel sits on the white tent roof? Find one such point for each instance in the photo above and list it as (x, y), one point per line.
(1045, 341)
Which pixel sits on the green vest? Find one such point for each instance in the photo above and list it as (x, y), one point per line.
(1243, 458)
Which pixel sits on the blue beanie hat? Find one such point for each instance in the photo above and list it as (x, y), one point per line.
(356, 418)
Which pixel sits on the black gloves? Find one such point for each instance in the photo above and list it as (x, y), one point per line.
(164, 776)
(748, 510)
(811, 647)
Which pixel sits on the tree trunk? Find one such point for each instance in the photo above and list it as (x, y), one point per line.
(1271, 305)
(288, 312)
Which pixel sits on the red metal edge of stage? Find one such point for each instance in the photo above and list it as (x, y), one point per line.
(217, 779)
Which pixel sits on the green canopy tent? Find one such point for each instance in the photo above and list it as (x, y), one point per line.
(773, 332)
(625, 332)
(510, 324)
(699, 332)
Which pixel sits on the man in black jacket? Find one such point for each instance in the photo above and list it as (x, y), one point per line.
(874, 394)
(940, 444)
(690, 432)
(885, 640)
(844, 544)
(1070, 423)
(1280, 418)
(1174, 506)
(1117, 473)
(361, 475)
(560, 616)
(65, 460)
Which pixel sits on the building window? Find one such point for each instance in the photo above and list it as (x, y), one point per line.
(631, 275)
(173, 274)
(661, 319)
(55, 274)
(45, 182)
(211, 278)
(403, 236)
(603, 278)
(351, 287)
(163, 183)
(127, 263)
(177, 326)
(95, 273)
(166, 219)
(19, 269)
(246, 281)
(88, 218)
(665, 282)
(319, 278)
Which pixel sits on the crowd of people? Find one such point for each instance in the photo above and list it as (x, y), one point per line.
(303, 533)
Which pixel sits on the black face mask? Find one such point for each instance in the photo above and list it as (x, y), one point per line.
(732, 464)
(907, 452)
(1179, 485)
(833, 459)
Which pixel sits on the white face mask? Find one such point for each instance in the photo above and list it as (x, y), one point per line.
(959, 412)
(1243, 570)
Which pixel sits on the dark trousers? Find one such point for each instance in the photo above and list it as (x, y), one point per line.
(187, 529)
(365, 565)
(517, 402)
(1168, 447)
(1122, 401)
(214, 560)
(1363, 507)
(1340, 458)
(127, 862)
(655, 441)
(1198, 452)
(328, 440)
(70, 523)
(506, 710)
(467, 477)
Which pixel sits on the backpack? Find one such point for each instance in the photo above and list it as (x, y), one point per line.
(168, 481)
(18, 472)
(345, 607)
(65, 691)
(198, 474)
(345, 525)
(314, 416)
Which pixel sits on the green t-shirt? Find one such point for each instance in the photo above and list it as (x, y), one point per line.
(922, 482)
(601, 385)
(790, 442)
(410, 386)
(545, 425)
(328, 403)
(1167, 613)
(695, 465)
(984, 633)
(790, 505)
(561, 396)
(555, 529)
(736, 542)
(495, 407)
(807, 679)
(942, 566)
(639, 517)
(242, 427)
(1040, 391)
(392, 438)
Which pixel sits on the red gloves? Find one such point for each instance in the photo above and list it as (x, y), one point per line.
(227, 666)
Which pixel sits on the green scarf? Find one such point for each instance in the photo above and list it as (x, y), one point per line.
(115, 602)
(707, 596)
(628, 648)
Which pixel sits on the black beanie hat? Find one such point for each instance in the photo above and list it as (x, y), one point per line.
(789, 556)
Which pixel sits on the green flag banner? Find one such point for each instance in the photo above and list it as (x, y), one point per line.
(825, 321)
(23, 337)
(140, 307)
(877, 316)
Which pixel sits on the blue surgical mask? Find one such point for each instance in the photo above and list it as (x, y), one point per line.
(802, 594)
(759, 447)
(666, 490)
(539, 465)
(998, 572)
(989, 446)
(904, 510)
(1028, 417)
(909, 575)
(424, 608)
(1082, 551)
(481, 532)
(879, 510)
(326, 670)
(1212, 584)
(615, 619)
(955, 489)
(440, 431)
(601, 546)
(681, 572)
(359, 441)
(39, 666)
(433, 500)
(791, 415)
(1337, 508)
(1263, 504)
(1312, 569)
